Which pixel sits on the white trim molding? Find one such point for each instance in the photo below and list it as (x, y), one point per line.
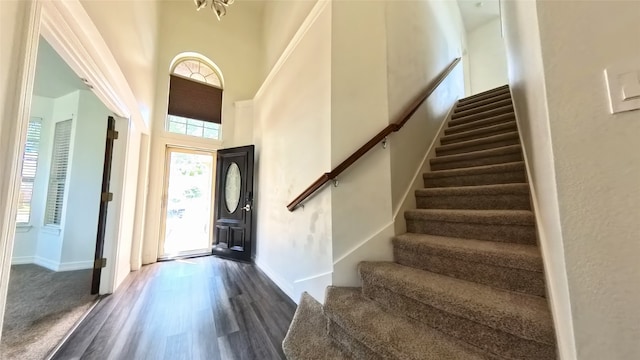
(68, 29)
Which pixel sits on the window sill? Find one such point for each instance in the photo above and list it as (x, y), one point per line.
(51, 229)
(23, 228)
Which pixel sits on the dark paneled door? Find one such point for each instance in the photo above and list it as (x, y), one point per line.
(105, 198)
(234, 213)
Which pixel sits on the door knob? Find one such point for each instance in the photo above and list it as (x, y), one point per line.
(247, 207)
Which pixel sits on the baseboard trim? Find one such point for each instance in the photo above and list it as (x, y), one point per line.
(284, 285)
(58, 266)
(46, 263)
(21, 260)
(75, 265)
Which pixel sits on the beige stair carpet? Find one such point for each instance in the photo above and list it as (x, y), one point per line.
(467, 281)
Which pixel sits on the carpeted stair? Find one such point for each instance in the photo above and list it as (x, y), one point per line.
(467, 281)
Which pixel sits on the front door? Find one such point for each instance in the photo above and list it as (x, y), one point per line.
(234, 211)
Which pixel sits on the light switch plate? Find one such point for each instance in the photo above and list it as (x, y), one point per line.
(623, 85)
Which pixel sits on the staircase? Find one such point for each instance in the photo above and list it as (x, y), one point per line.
(467, 281)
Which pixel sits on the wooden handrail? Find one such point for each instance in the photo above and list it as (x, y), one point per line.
(393, 127)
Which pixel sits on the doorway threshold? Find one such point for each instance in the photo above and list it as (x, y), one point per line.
(185, 255)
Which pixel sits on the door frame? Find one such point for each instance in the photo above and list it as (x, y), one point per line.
(67, 27)
(165, 186)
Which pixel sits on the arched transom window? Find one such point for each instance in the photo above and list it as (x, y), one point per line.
(195, 69)
(195, 99)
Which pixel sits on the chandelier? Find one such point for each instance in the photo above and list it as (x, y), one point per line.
(219, 7)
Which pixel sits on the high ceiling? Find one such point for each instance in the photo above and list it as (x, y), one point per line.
(476, 13)
(54, 78)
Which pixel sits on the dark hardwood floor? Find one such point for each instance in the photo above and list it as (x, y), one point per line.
(201, 308)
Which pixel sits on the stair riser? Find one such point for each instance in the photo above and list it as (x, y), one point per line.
(488, 160)
(482, 146)
(520, 234)
(450, 130)
(437, 261)
(475, 202)
(474, 99)
(480, 179)
(459, 113)
(477, 103)
(481, 336)
(349, 345)
(479, 134)
(456, 121)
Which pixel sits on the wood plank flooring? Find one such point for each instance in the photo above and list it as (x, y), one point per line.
(201, 308)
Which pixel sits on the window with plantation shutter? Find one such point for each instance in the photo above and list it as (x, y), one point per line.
(29, 166)
(58, 174)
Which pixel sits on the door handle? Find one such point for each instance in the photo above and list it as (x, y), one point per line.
(247, 207)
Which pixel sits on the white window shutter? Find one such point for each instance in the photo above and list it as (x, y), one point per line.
(58, 173)
(29, 167)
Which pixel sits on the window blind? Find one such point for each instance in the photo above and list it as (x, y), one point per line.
(58, 173)
(194, 100)
(29, 167)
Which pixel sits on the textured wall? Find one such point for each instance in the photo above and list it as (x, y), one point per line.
(597, 163)
(584, 166)
(292, 138)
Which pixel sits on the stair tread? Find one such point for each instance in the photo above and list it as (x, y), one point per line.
(484, 169)
(497, 90)
(510, 255)
(479, 108)
(480, 131)
(307, 336)
(495, 189)
(499, 96)
(478, 124)
(509, 149)
(481, 115)
(523, 315)
(390, 335)
(511, 217)
(480, 141)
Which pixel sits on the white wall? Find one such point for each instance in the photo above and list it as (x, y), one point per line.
(400, 49)
(281, 20)
(361, 204)
(292, 137)
(597, 163)
(84, 183)
(70, 246)
(529, 94)
(583, 165)
(133, 41)
(423, 38)
(234, 45)
(487, 57)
